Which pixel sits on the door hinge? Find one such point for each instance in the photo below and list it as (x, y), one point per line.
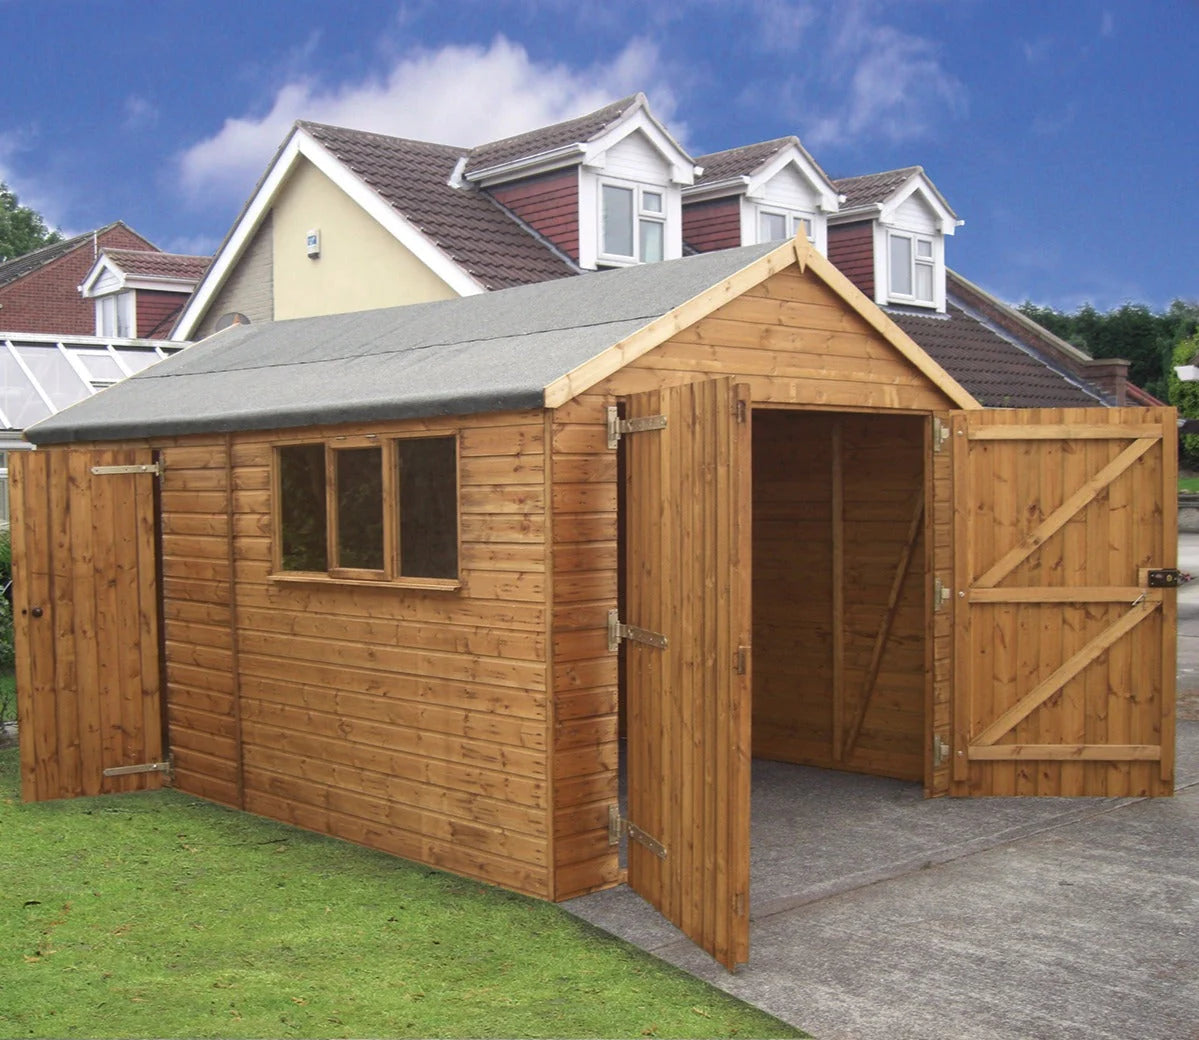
(618, 427)
(940, 594)
(940, 750)
(742, 411)
(742, 666)
(618, 825)
(153, 467)
(167, 767)
(617, 631)
(940, 434)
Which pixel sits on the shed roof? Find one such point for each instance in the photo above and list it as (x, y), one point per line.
(491, 352)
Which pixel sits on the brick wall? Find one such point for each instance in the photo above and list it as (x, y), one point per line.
(47, 299)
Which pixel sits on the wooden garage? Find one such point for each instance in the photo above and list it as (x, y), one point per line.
(424, 578)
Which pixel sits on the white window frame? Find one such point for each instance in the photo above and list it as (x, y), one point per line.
(110, 306)
(794, 220)
(640, 215)
(916, 261)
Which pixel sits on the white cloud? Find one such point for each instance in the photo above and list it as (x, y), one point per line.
(35, 196)
(781, 24)
(893, 84)
(140, 114)
(460, 95)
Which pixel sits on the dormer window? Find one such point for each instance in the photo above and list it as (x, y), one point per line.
(116, 316)
(632, 222)
(778, 225)
(912, 267)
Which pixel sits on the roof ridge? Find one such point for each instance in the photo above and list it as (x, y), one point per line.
(785, 139)
(308, 124)
(619, 106)
(881, 173)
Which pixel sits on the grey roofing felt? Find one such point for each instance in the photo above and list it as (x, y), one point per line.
(492, 352)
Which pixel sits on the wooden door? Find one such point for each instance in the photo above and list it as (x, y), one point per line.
(1063, 647)
(85, 613)
(688, 579)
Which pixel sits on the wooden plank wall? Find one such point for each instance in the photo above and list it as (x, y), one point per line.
(834, 497)
(412, 721)
(796, 344)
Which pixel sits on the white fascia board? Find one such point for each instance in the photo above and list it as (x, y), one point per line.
(872, 211)
(301, 144)
(161, 284)
(805, 167)
(407, 234)
(715, 189)
(528, 166)
(919, 183)
(682, 166)
(238, 238)
(101, 265)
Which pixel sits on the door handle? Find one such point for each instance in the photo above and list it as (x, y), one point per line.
(36, 611)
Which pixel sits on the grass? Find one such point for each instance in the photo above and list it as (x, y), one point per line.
(158, 915)
(1188, 483)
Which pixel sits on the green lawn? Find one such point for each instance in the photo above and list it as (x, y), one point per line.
(159, 915)
(1188, 483)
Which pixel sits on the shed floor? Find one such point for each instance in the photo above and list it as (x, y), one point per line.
(832, 949)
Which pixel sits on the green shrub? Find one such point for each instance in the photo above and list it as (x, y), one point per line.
(1185, 396)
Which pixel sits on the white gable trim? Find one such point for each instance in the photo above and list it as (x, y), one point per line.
(804, 165)
(103, 265)
(638, 117)
(302, 145)
(919, 184)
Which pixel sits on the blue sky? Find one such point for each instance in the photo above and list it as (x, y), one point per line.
(1064, 132)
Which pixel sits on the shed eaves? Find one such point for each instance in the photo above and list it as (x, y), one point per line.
(490, 352)
(467, 224)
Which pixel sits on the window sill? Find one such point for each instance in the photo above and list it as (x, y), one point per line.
(420, 584)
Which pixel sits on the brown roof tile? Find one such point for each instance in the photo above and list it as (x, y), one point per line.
(467, 224)
(872, 188)
(546, 138)
(740, 162)
(175, 266)
(18, 267)
(997, 372)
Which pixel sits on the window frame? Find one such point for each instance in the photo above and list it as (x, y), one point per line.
(915, 261)
(640, 214)
(123, 301)
(390, 574)
(792, 217)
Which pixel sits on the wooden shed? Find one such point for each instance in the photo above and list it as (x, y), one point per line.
(433, 578)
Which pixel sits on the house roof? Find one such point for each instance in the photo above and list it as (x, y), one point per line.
(740, 162)
(489, 352)
(467, 224)
(546, 138)
(18, 267)
(996, 371)
(145, 263)
(872, 189)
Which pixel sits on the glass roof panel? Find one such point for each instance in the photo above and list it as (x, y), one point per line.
(100, 366)
(54, 373)
(19, 401)
(137, 360)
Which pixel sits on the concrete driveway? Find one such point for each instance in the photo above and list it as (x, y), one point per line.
(878, 914)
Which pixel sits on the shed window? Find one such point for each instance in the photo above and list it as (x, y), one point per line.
(371, 511)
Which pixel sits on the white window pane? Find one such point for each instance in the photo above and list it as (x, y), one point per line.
(55, 374)
(101, 368)
(901, 265)
(136, 360)
(19, 402)
(924, 247)
(125, 327)
(772, 227)
(651, 201)
(618, 221)
(924, 282)
(651, 240)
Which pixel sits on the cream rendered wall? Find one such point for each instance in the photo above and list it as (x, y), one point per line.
(361, 265)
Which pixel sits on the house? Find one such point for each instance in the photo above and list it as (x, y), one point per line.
(422, 571)
(39, 292)
(344, 220)
(139, 293)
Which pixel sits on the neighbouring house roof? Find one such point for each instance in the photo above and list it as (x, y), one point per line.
(18, 267)
(145, 263)
(546, 138)
(739, 162)
(996, 371)
(489, 352)
(467, 224)
(872, 189)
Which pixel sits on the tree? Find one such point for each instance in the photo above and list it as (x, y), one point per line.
(22, 229)
(1144, 338)
(1185, 396)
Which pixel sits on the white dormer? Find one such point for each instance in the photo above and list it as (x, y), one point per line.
(630, 194)
(910, 221)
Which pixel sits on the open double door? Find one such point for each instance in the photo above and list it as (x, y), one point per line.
(1057, 575)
